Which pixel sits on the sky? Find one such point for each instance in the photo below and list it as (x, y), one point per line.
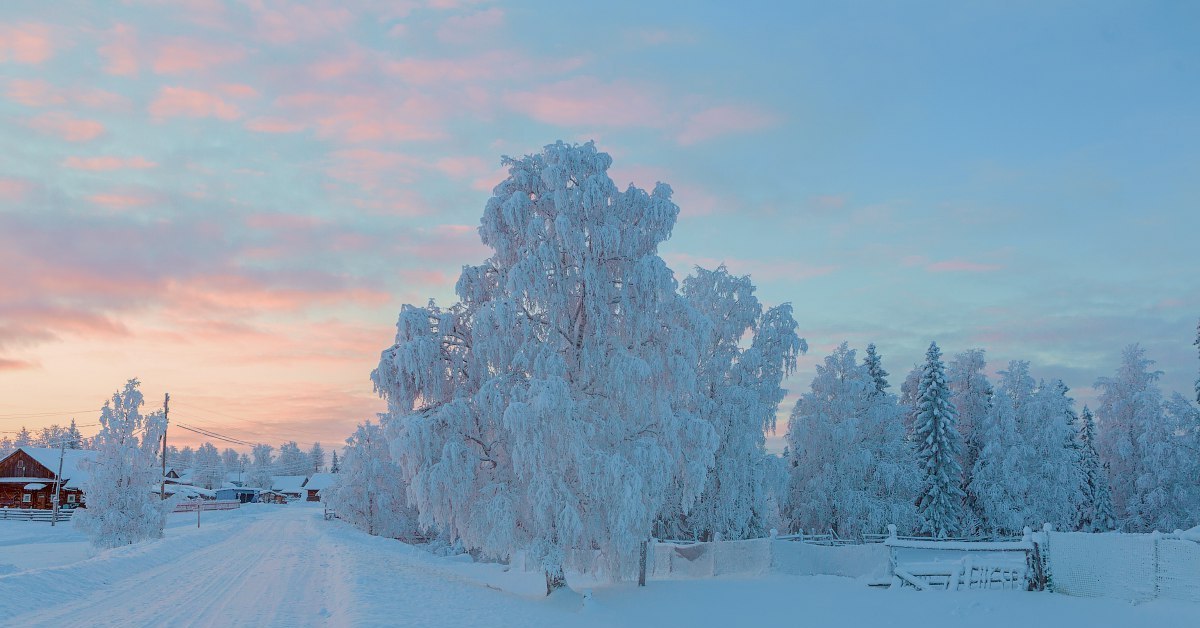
(232, 200)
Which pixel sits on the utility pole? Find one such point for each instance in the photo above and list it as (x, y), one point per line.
(62, 446)
(162, 484)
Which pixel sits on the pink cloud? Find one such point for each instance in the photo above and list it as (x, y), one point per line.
(175, 102)
(464, 167)
(586, 100)
(237, 90)
(7, 364)
(274, 125)
(961, 266)
(26, 43)
(724, 120)
(337, 66)
(371, 169)
(366, 117)
(497, 65)
(467, 29)
(281, 23)
(34, 93)
(760, 270)
(108, 163)
(119, 201)
(67, 127)
(13, 189)
(121, 51)
(187, 55)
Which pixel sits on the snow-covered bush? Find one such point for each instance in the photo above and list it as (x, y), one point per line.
(367, 492)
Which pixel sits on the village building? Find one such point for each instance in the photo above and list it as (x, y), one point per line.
(313, 486)
(27, 477)
(291, 486)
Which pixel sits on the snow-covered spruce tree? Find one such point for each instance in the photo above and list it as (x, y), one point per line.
(999, 482)
(1056, 470)
(972, 397)
(908, 400)
(210, 470)
(874, 366)
(74, 439)
(23, 439)
(1169, 482)
(1095, 510)
(366, 492)
(260, 470)
(123, 504)
(738, 394)
(335, 465)
(550, 408)
(939, 446)
(853, 469)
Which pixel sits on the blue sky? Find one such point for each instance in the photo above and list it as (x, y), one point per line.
(231, 200)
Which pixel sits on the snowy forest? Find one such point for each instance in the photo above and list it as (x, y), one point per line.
(578, 400)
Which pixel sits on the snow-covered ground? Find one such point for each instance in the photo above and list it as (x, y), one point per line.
(286, 566)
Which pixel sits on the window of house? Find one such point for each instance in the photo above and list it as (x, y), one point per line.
(20, 468)
(27, 498)
(71, 498)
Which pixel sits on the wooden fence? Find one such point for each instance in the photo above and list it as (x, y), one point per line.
(34, 514)
(204, 504)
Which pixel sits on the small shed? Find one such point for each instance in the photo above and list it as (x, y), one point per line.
(316, 483)
(292, 486)
(242, 494)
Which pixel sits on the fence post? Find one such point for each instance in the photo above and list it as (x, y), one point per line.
(642, 564)
(1155, 537)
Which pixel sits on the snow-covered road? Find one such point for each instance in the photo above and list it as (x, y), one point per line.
(286, 566)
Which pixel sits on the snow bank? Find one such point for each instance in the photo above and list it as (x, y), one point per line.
(852, 561)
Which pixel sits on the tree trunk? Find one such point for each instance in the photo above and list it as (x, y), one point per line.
(555, 579)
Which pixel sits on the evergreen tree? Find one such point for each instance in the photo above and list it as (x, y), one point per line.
(908, 400)
(334, 464)
(74, 438)
(972, 397)
(939, 446)
(1095, 512)
(292, 461)
(122, 505)
(23, 439)
(875, 368)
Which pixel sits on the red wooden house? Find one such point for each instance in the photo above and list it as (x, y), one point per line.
(27, 477)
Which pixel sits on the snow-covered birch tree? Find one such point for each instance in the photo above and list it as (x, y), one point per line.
(260, 468)
(550, 409)
(972, 397)
(123, 504)
(939, 444)
(210, 470)
(738, 395)
(853, 469)
(366, 492)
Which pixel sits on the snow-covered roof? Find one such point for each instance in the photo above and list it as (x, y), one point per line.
(288, 483)
(72, 475)
(187, 491)
(319, 481)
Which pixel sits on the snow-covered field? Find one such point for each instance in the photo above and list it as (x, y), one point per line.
(286, 566)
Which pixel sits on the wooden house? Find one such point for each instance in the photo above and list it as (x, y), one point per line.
(318, 481)
(27, 477)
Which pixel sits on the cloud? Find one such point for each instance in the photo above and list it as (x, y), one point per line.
(121, 51)
(7, 364)
(961, 266)
(108, 163)
(471, 28)
(274, 125)
(366, 117)
(13, 189)
(490, 66)
(586, 100)
(115, 200)
(187, 55)
(174, 102)
(34, 93)
(67, 127)
(724, 120)
(279, 22)
(26, 43)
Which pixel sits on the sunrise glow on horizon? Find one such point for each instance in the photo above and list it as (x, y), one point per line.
(231, 200)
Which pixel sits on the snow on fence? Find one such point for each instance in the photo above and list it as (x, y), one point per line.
(218, 504)
(1134, 567)
(671, 560)
(954, 565)
(34, 514)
